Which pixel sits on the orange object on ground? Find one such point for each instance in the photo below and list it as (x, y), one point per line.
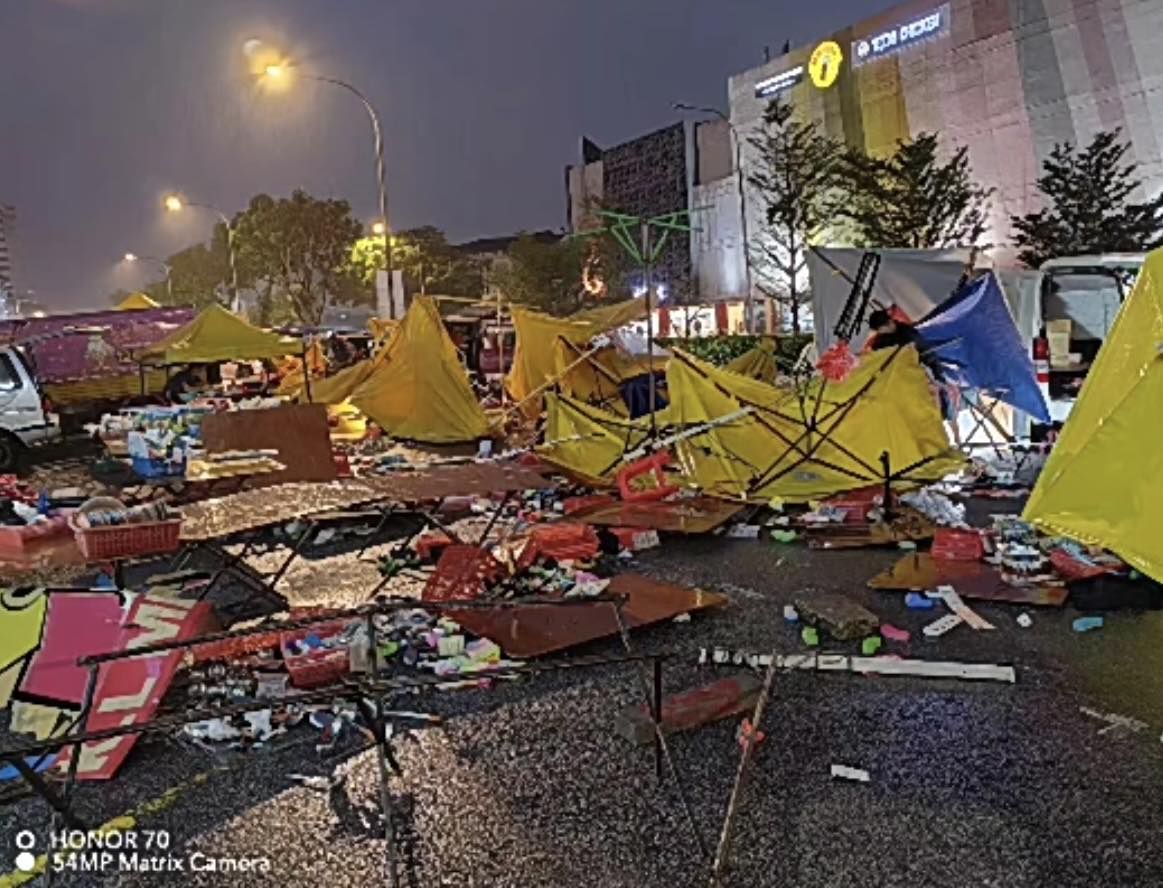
(563, 541)
(462, 572)
(957, 545)
(653, 466)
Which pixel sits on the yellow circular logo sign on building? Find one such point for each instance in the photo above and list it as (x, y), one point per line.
(824, 64)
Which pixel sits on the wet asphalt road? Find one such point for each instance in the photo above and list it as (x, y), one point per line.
(526, 785)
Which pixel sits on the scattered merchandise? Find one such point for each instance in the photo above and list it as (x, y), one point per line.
(939, 627)
(1025, 620)
(790, 614)
(892, 633)
(810, 636)
(917, 601)
(1087, 624)
(846, 773)
(953, 601)
(871, 645)
(843, 618)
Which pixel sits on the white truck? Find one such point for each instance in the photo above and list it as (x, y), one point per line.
(26, 417)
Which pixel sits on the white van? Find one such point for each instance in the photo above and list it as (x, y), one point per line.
(1079, 299)
(25, 417)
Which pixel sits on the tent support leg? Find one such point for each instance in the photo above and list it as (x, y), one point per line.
(884, 462)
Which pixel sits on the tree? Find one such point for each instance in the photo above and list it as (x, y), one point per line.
(294, 251)
(796, 174)
(430, 264)
(912, 199)
(1088, 206)
(199, 274)
(563, 276)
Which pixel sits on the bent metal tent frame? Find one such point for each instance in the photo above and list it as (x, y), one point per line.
(741, 438)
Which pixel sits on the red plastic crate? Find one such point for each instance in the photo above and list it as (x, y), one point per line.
(563, 541)
(462, 572)
(318, 667)
(856, 504)
(957, 545)
(14, 541)
(128, 540)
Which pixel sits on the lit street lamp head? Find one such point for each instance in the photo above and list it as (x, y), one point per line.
(378, 228)
(173, 203)
(130, 257)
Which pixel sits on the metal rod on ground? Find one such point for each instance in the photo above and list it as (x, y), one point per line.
(657, 708)
(648, 273)
(659, 737)
(749, 744)
(380, 728)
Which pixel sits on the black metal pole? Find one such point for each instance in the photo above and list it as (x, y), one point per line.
(380, 729)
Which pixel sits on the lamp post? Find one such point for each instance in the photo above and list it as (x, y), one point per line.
(169, 270)
(280, 71)
(749, 304)
(175, 203)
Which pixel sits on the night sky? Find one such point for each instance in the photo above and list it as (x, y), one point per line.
(108, 104)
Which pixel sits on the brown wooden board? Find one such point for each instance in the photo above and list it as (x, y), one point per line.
(697, 515)
(456, 479)
(691, 708)
(534, 631)
(299, 432)
(971, 579)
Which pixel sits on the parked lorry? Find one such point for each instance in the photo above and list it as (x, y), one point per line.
(84, 363)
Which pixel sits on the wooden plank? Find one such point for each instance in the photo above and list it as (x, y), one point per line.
(691, 708)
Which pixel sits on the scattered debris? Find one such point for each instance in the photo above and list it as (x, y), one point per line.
(916, 601)
(1025, 620)
(1087, 624)
(844, 619)
(691, 708)
(871, 645)
(1113, 721)
(953, 601)
(883, 665)
(940, 626)
(844, 772)
(892, 633)
(790, 614)
(810, 636)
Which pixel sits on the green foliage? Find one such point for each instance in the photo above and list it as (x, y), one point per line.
(912, 199)
(553, 277)
(294, 251)
(430, 264)
(200, 275)
(797, 176)
(1088, 206)
(720, 350)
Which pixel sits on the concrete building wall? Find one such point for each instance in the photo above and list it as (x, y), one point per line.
(1007, 78)
(717, 248)
(584, 192)
(714, 151)
(7, 237)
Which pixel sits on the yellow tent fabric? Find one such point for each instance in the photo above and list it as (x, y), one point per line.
(596, 378)
(534, 360)
(338, 388)
(885, 406)
(418, 389)
(136, 302)
(758, 363)
(1100, 483)
(218, 335)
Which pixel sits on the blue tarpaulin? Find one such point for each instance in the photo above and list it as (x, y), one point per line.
(973, 339)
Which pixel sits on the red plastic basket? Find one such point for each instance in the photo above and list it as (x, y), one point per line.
(462, 572)
(127, 540)
(957, 545)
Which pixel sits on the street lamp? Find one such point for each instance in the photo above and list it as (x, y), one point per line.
(169, 270)
(749, 308)
(175, 203)
(278, 71)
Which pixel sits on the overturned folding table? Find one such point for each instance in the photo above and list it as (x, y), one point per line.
(242, 518)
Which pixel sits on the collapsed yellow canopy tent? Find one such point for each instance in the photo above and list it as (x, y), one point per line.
(742, 438)
(218, 335)
(136, 302)
(417, 388)
(1100, 484)
(535, 358)
(596, 377)
(758, 363)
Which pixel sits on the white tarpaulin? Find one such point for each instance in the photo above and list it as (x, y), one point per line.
(916, 281)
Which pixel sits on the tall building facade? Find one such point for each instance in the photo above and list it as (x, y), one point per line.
(7, 236)
(665, 171)
(1007, 78)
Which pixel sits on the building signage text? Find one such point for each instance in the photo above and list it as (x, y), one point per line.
(893, 40)
(780, 82)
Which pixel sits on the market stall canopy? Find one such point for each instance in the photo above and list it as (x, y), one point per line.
(1099, 484)
(218, 335)
(417, 388)
(744, 439)
(972, 337)
(757, 363)
(535, 359)
(136, 302)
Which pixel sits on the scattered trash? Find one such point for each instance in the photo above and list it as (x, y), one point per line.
(691, 708)
(682, 618)
(907, 545)
(939, 627)
(883, 665)
(810, 636)
(917, 601)
(871, 645)
(790, 614)
(953, 601)
(1086, 624)
(1025, 620)
(846, 773)
(784, 536)
(743, 532)
(892, 633)
(844, 619)
(1114, 722)
(748, 735)
(936, 507)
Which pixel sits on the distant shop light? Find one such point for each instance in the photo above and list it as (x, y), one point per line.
(929, 26)
(781, 82)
